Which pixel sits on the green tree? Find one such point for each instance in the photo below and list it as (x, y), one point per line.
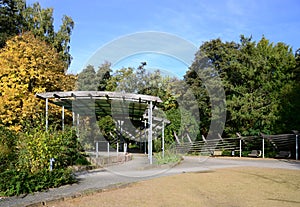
(289, 119)
(10, 19)
(255, 77)
(122, 80)
(90, 80)
(103, 76)
(87, 79)
(16, 18)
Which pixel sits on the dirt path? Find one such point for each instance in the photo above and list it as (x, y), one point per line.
(196, 181)
(224, 187)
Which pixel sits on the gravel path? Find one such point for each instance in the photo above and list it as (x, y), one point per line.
(136, 170)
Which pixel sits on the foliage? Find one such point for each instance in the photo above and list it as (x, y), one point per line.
(26, 167)
(10, 20)
(168, 158)
(122, 80)
(86, 79)
(256, 78)
(18, 18)
(28, 66)
(8, 142)
(90, 80)
(14, 182)
(37, 147)
(138, 81)
(289, 119)
(107, 127)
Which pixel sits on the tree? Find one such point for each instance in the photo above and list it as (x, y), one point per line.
(11, 19)
(28, 66)
(16, 18)
(122, 80)
(87, 79)
(90, 80)
(255, 77)
(103, 76)
(289, 118)
(40, 22)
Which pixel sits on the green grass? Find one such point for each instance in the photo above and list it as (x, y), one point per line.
(168, 158)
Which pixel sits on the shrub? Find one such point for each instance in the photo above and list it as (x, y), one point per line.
(13, 182)
(25, 163)
(39, 146)
(226, 153)
(8, 141)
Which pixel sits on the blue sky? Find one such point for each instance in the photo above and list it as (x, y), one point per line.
(98, 23)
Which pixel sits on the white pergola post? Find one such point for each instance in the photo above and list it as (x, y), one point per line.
(239, 136)
(107, 149)
(63, 118)
(163, 139)
(145, 143)
(125, 148)
(297, 143)
(97, 149)
(297, 147)
(73, 118)
(46, 114)
(150, 133)
(117, 149)
(240, 147)
(77, 124)
(140, 140)
(263, 147)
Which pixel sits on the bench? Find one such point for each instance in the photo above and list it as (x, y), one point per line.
(283, 154)
(255, 153)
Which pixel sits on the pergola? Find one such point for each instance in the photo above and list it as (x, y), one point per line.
(128, 109)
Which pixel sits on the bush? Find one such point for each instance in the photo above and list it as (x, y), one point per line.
(226, 153)
(39, 146)
(8, 141)
(13, 182)
(25, 160)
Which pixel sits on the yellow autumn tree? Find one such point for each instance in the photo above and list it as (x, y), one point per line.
(28, 66)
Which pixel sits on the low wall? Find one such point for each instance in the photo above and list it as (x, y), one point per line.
(103, 161)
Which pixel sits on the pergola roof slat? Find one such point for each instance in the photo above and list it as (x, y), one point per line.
(99, 94)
